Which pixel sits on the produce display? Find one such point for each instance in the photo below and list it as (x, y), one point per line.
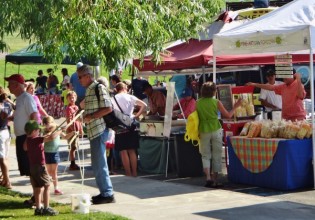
(277, 129)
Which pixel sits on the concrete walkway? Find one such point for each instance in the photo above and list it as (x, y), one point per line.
(142, 198)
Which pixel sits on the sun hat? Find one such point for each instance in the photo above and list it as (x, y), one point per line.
(79, 64)
(187, 92)
(31, 126)
(16, 77)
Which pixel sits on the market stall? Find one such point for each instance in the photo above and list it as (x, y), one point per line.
(288, 29)
(272, 163)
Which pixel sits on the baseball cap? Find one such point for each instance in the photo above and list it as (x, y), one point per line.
(16, 77)
(145, 86)
(79, 64)
(187, 92)
(270, 72)
(31, 126)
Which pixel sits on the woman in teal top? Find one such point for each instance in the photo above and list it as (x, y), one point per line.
(210, 132)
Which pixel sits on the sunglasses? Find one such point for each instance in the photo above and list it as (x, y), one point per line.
(80, 77)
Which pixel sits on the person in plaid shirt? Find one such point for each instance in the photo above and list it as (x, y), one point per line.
(97, 132)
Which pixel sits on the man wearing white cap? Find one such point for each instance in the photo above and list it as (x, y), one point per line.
(76, 86)
(25, 110)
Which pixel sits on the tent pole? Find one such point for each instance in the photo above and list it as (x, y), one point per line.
(312, 101)
(19, 68)
(203, 74)
(214, 69)
(5, 73)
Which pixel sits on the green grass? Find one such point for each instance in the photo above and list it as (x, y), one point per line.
(12, 207)
(30, 70)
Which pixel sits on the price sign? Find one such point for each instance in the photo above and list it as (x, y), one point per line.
(284, 67)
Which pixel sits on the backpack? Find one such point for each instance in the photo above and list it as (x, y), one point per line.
(192, 128)
(117, 120)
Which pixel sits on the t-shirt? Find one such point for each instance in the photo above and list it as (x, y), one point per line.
(66, 79)
(64, 96)
(180, 84)
(292, 108)
(35, 150)
(271, 97)
(77, 87)
(38, 104)
(41, 81)
(71, 111)
(6, 110)
(126, 103)
(52, 146)
(207, 109)
(25, 106)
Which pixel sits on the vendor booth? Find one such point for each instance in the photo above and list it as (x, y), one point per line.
(289, 29)
(272, 163)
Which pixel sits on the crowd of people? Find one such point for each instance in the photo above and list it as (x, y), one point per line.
(38, 136)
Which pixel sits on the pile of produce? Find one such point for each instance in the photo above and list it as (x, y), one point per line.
(277, 129)
(247, 106)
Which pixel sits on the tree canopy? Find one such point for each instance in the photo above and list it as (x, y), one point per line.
(108, 30)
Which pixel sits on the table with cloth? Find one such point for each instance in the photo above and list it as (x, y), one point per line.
(272, 163)
(53, 105)
(181, 157)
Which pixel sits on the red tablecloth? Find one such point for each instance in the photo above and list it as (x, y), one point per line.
(255, 154)
(52, 105)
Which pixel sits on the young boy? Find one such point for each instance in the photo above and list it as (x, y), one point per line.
(34, 145)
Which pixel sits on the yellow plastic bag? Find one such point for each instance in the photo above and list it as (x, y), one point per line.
(192, 129)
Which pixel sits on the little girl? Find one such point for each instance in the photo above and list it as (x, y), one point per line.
(71, 111)
(51, 148)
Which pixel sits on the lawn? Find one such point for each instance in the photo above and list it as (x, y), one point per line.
(30, 70)
(12, 207)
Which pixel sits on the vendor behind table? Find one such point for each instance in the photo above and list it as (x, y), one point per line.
(270, 100)
(292, 93)
(156, 99)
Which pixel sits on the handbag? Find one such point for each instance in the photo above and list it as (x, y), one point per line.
(118, 120)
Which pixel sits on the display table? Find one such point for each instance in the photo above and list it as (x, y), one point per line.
(153, 154)
(53, 105)
(188, 158)
(272, 163)
(183, 157)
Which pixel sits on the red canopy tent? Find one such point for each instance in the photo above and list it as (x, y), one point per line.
(195, 54)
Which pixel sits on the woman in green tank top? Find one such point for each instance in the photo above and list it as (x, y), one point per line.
(210, 132)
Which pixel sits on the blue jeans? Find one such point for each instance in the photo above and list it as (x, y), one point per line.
(99, 164)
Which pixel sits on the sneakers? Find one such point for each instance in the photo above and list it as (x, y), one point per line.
(99, 199)
(38, 211)
(74, 167)
(49, 212)
(58, 192)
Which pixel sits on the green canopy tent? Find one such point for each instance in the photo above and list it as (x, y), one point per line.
(30, 55)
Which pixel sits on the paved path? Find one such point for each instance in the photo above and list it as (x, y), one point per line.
(143, 198)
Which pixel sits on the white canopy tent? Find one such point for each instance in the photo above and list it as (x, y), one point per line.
(285, 30)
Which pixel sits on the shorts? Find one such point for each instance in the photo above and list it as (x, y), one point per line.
(127, 141)
(39, 176)
(5, 140)
(52, 158)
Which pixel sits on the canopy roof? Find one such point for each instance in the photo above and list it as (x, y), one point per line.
(30, 54)
(195, 54)
(286, 29)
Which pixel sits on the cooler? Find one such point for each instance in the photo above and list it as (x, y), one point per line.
(232, 128)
